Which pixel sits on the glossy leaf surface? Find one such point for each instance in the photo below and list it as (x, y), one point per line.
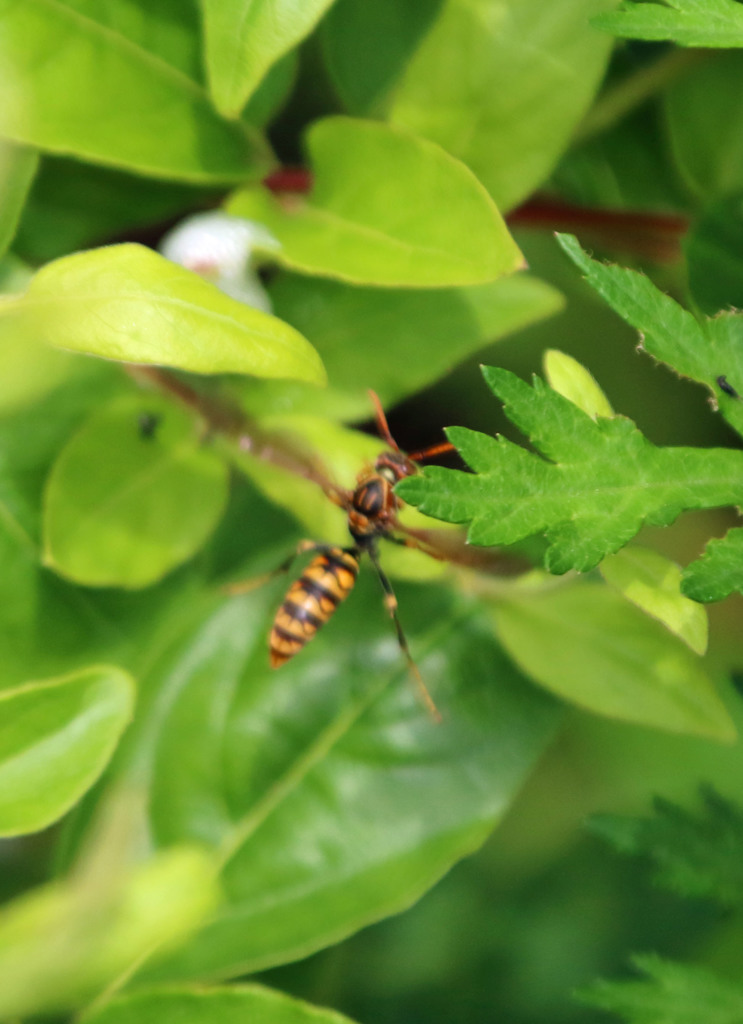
(134, 493)
(653, 583)
(243, 38)
(590, 646)
(234, 1005)
(109, 99)
(333, 797)
(572, 380)
(589, 491)
(518, 77)
(375, 213)
(125, 302)
(56, 737)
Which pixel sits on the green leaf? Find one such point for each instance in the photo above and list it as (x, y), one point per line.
(333, 796)
(714, 259)
(571, 379)
(386, 208)
(590, 646)
(108, 99)
(590, 493)
(703, 350)
(128, 520)
(704, 115)
(672, 994)
(18, 166)
(697, 856)
(363, 75)
(719, 571)
(243, 38)
(518, 77)
(392, 340)
(62, 943)
(125, 302)
(234, 1005)
(684, 22)
(56, 737)
(653, 583)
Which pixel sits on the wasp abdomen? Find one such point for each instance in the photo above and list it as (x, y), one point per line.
(311, 600)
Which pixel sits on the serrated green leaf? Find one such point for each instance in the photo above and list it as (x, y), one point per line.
(685, 22)
(18, 166)
(572, 380)
(127, 303)
(128, 520)
(704, 120)
(519, 77)
(243, 38)
(590, 646)
(719, 571)
(63, 943)
(234, 1005)
(107, 99)
(56, 737)
(653, 583)
(386, 208)
(693, 855)
(392, 340)
(334, 798)
(595, 485)
(672, 994)
(703, 350)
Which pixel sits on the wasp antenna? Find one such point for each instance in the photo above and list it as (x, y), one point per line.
(382, 427)
(428, 453)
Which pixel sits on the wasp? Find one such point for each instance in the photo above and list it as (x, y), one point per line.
(372, 511)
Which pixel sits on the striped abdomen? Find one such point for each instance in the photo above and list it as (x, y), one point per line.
(311, 600)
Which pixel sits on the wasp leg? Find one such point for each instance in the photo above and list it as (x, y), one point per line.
(245, 586)
(409, 541)
(390, 603)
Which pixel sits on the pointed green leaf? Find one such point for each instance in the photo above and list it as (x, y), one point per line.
(56, 737)
(333, 797)
(126, 521)
(243, 38)
(519, 75)
(684, 22)
(589, 491)
(719, 571)
(386, 208)
(572, 380)
(108, 99)
(653, 583)
(235, 1005)
(63, 943)
(703, 350)
(125, 302)
(590, 646)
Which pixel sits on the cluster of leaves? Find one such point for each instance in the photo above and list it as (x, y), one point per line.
(242, 821)
(695, 856)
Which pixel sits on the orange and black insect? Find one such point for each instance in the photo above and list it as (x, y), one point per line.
(330, 576)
